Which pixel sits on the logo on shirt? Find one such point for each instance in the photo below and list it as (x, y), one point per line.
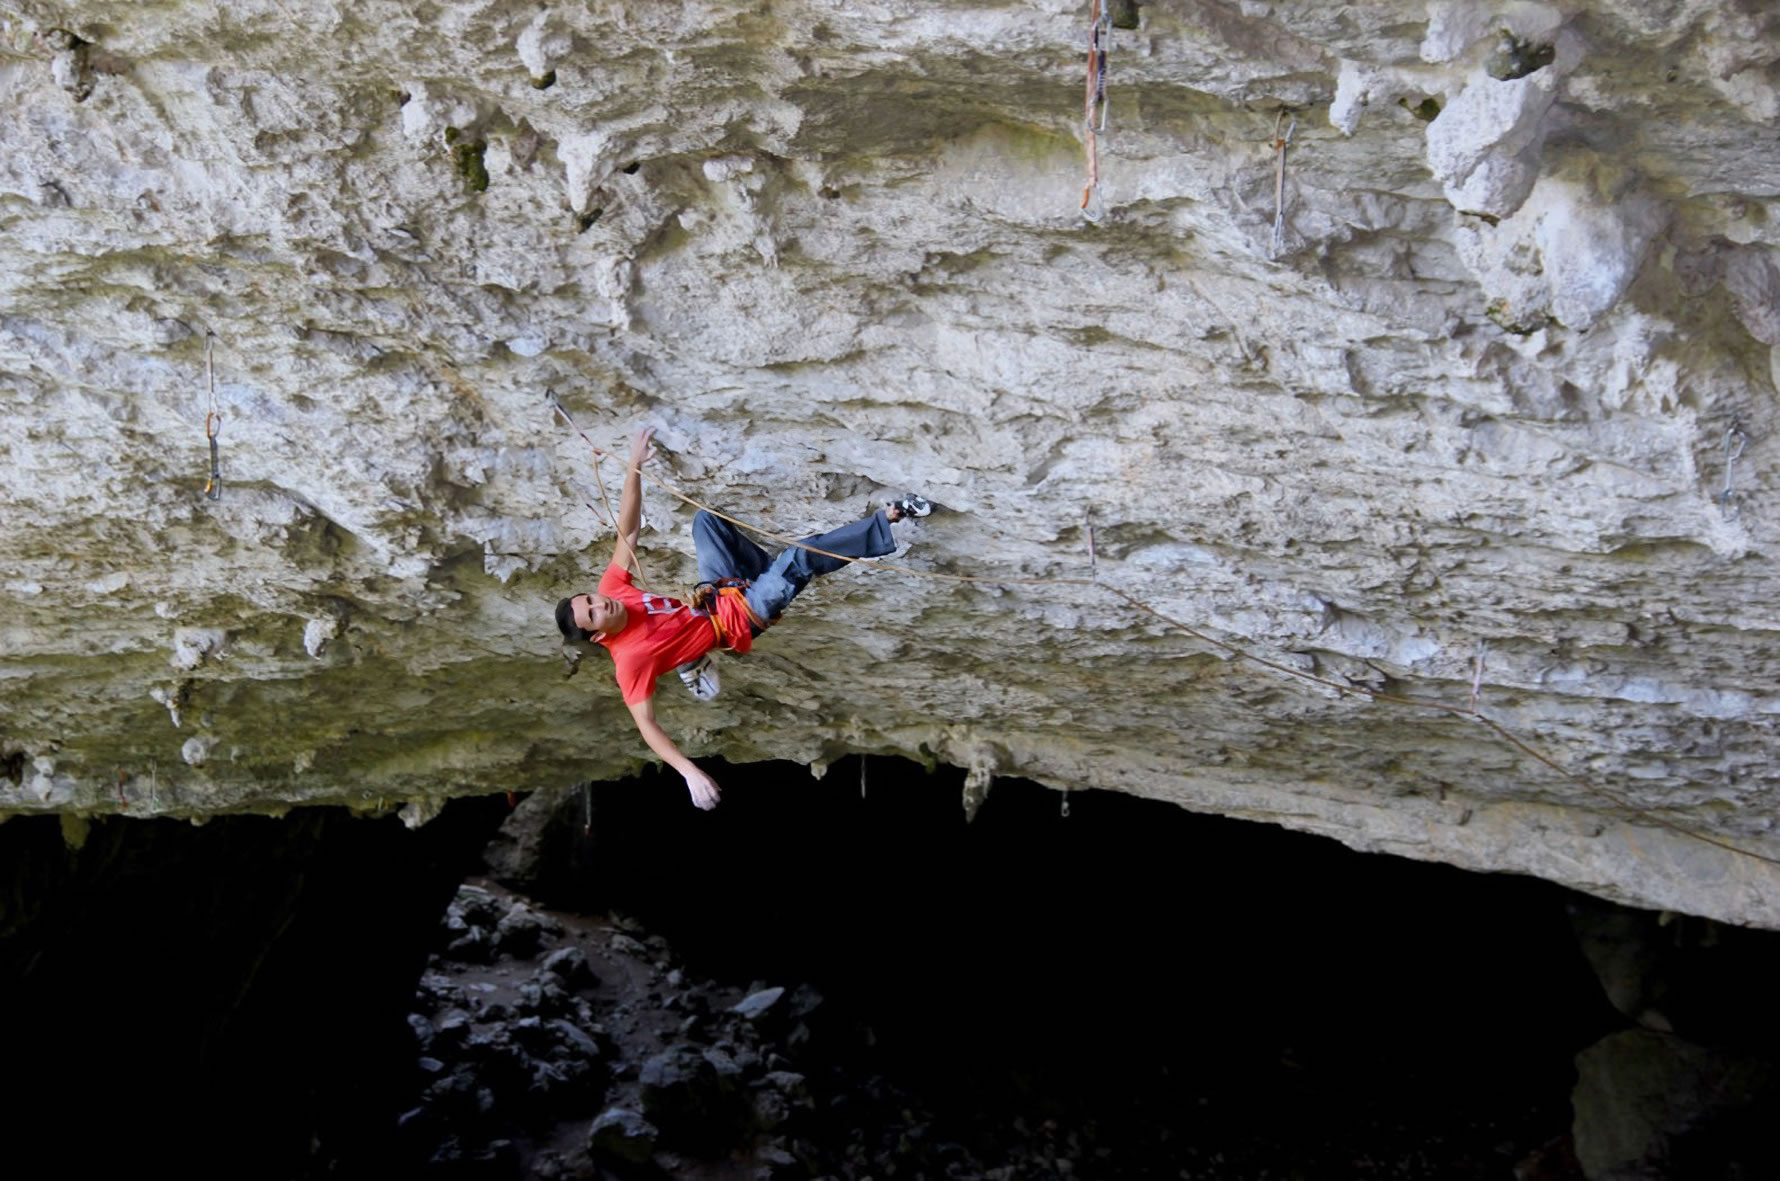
(656, 605)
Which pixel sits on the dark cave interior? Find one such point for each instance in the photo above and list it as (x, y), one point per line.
(235, 992)
(1128, 958)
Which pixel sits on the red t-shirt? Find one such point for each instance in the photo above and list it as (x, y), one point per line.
(662, 634)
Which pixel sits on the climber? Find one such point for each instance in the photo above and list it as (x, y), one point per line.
(741, 592)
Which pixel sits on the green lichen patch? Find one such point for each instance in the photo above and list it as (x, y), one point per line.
(1426, 110)
(467, 158)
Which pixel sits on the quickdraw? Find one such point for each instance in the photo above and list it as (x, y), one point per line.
(212, 422)
(1279, 178)
(1094, 103)
(1727, 503)
(1477, 674)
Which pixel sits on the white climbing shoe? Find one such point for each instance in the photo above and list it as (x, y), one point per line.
(701, 678)
(912, 505)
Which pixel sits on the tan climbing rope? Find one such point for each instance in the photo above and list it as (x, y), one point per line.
(1349, 690)
(600, 455)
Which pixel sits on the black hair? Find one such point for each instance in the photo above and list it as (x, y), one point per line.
(565, 623)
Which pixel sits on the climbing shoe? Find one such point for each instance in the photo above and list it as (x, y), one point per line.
(912, 505)
(700, 677)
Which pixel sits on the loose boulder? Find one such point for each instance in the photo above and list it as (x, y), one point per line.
(1650, 1106)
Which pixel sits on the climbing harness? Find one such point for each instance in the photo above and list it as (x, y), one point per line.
(705, 597)
(212, 422)
(1343, 688)
(1094, 104)
(1279, 178)
(710, 609)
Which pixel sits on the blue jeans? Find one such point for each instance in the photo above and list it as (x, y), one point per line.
(724, 552)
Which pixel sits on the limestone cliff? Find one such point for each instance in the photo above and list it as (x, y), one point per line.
(1471, 391)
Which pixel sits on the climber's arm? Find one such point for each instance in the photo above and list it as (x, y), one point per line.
(703, 787)
(630, 502)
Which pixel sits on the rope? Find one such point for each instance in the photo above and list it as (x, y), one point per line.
(1461, 711)
(600, 482)
(1342, 687)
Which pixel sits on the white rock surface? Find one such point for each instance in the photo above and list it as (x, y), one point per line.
(1507, 381)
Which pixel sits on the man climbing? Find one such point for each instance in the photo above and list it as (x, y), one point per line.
(741, 592)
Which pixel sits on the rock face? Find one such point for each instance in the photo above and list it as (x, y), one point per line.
(1481, 415)
(1650, 1105)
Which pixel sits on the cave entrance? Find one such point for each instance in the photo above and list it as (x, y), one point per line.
(1160, 978)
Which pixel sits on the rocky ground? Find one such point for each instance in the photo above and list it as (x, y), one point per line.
(555, 1045)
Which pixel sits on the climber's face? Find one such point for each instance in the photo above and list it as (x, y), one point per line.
(599, 613)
